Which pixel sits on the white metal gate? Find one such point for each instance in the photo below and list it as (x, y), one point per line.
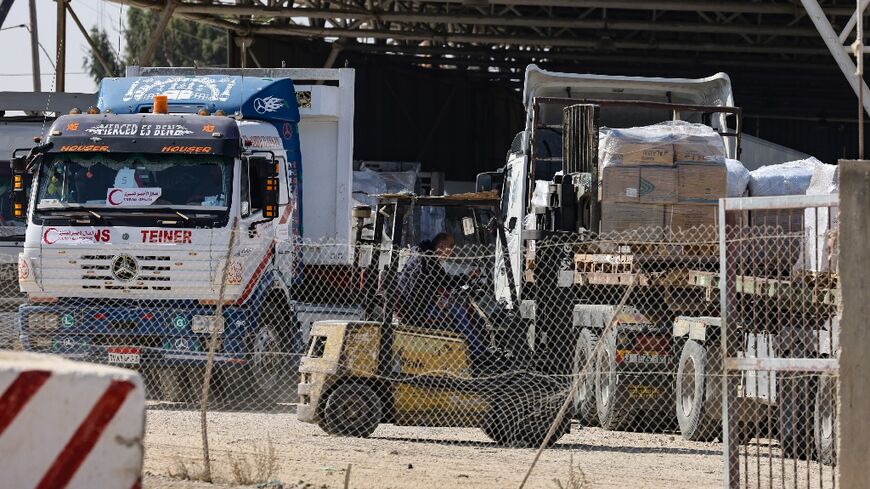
(780, 304)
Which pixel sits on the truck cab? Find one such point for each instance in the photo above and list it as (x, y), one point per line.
(173, 195)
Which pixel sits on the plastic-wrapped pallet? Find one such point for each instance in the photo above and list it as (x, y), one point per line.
(661, 144)
(738, 178)
(664, 176)
(821, 225)
(789, 178)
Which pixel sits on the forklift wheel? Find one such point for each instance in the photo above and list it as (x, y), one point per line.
(351, 410)
(520, 416)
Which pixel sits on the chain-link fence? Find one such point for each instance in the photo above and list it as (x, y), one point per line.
(583, 361)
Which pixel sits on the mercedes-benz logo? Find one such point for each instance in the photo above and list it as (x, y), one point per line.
(124, 268)
(259, 105)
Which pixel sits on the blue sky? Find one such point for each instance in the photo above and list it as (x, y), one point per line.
(15, 70)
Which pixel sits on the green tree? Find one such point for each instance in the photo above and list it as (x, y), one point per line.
(93, 65)
(183, 43)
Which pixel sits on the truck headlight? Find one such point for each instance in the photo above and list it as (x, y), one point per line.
(41, 323)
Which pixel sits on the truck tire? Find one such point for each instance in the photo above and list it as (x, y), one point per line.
(825, 420)
(696, 398)
(611, 398)
(795, 399)
(521, 414)
(585, 408)
(172, 384)
(269, 369)
(351, 409)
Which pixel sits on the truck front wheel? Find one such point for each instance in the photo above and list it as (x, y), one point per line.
(351, 409)
(696, 396)
(268, 367)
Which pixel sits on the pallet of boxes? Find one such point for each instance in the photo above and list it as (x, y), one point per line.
(661, 183)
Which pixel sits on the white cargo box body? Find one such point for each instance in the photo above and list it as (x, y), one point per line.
(326, 134)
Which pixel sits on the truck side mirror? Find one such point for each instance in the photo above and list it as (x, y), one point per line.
(19, 193)
(271, 188)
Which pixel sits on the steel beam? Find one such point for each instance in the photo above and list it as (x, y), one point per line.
(850, 24)
(60, 65)
(494, 20)
(91, 43)
(832, 40)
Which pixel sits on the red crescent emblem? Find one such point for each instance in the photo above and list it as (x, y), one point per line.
(53, 233)
(111, 194)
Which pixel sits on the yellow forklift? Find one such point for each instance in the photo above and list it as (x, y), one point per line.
(412, 369)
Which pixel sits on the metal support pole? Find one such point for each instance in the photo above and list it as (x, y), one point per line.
(34, 48)
(165, 17)
(858, 50)
(60, 66)
(244, 42)
(106, 67)
(832, 40)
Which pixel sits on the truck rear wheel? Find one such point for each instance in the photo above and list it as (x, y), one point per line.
(585, 408)
(696, 396)
(795, 397)
(351, 409)
(612, 403)
(825, 420)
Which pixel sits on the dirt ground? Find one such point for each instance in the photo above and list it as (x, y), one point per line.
(428, 458)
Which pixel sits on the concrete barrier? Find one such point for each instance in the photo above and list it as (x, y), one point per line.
(69, 424)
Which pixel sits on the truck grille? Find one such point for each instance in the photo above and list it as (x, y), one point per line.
(153, 273)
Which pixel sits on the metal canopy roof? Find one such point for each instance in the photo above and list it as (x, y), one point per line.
(501, 36)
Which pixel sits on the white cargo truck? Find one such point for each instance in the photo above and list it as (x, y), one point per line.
(135, 203)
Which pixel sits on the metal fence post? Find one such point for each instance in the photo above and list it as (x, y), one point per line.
(854, 450)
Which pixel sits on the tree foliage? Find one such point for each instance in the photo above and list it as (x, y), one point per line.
(93, 66)
(183, 43)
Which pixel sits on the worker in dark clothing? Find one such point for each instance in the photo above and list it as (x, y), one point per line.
(425, 288)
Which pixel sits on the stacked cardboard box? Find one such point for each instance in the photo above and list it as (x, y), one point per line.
(667, 190)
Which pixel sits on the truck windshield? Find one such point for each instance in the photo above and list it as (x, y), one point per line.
(199, 182)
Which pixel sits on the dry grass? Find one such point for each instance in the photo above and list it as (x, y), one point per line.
(187, 471)
(254, 468)
(576, 478)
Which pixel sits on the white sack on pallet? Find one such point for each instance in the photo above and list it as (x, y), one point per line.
(369, 183)
(660, 144)
(789, 178)
(738, 178)
(541, 194)
(821, 225)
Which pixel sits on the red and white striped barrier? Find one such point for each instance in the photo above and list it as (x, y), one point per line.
(69, 424)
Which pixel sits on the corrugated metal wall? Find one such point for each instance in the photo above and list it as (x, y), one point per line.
(446, 120)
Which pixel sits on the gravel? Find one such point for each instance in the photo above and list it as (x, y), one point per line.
(417, 457)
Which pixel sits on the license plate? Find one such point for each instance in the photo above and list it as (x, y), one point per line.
(207, 324)
(126, 356)
(642, 391)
